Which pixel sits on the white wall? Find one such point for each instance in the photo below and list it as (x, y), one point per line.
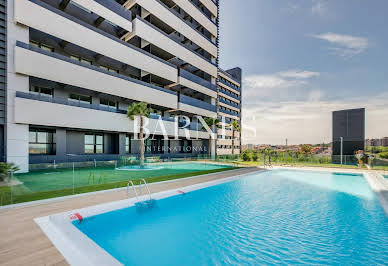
(176, 23)
(194, 12)
(153, 36)
(106, 13)
(49, 22)
(196, 110)
(39, 65)
(209, 4)
(197, 87)
(17, 135)
(59, 115)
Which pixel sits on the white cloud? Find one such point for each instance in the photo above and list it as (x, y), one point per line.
(320, 7)
(344, 45)
(308, 121)
(279, 85)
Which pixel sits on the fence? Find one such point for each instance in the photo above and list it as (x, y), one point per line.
(52, 180)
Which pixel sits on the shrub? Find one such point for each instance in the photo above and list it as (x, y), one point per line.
(245, 156)
(384, 155)
(6, 169)
(255, 156)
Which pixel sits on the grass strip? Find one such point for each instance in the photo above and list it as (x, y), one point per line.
(5, 192)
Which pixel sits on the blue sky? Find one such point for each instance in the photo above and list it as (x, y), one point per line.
(302, 59)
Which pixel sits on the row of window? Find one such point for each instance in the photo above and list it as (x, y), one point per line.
(223, 108)
(227, 147)
(228, 91)
(44, 142)
(49, 92)
(227, 100)
(74, 57)
(228, 83)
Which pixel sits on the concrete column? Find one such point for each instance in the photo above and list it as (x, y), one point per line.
(122, 137)
(60, 136)
(17, 134)
(165, 145)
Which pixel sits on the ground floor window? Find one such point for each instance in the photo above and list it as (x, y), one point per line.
(42, 142)
(186, 146)
(155, 145)
(127, 144)
(94, 143)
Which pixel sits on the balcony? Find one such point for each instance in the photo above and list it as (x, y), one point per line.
(230, 103)
(194, 106)
(229, 94)
(33, 61)
(229, 84)
(34, 109)
(43, 17)
(154, 35)
(168, 16)
(229, 113)
(197, 14)
(194, 82)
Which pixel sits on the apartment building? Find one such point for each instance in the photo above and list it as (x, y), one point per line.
(70, 69)
(229, 110)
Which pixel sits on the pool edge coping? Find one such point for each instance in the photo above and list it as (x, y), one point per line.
(86, 251)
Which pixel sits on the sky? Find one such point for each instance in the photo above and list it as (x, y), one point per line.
(303, 59)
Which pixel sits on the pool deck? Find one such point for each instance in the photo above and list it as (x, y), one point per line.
(23, 243)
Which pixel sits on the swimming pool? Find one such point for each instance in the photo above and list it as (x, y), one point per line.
(279, 216)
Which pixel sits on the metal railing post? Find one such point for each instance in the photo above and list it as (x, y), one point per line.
(73, 179)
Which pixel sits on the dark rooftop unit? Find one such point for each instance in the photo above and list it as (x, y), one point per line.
(350, 125)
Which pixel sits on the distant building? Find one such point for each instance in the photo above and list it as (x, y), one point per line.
(349, 125)
(384, 142)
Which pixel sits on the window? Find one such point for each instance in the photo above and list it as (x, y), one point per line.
(127, 144)
(80, 98)
(110, 69)
(108, 103)
(82, 60)
(41, 142)
(94, 143)
(42, 91)
(42, 46)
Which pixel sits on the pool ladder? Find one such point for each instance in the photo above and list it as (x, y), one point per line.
(142, 184)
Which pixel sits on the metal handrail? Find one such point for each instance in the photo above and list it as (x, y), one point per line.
(134, 189)
(146, 185)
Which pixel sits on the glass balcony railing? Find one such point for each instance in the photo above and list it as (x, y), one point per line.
(229, 113)
(230, 103)
(229, 94)
(194, 78)
(229, 84)
(197, 103)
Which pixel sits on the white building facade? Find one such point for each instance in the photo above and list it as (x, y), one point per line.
(72, 68)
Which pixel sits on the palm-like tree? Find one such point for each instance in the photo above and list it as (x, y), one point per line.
(140, 110)
(235, 127)
(6, 170)
(210, 122)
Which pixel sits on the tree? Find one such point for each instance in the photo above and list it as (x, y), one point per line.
(6, 169)
(245, 156)
(255, 156)
(235, 127)
(306, 149)
(210, 122)
(140, 110)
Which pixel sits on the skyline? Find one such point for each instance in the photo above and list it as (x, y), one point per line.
(329, 57)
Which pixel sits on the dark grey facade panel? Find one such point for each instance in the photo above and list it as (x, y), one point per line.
(3, 78)
(350, 125)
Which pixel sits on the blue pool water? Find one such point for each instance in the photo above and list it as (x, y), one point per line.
(288, 217)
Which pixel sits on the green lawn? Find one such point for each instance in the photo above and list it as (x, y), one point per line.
(22, 194)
